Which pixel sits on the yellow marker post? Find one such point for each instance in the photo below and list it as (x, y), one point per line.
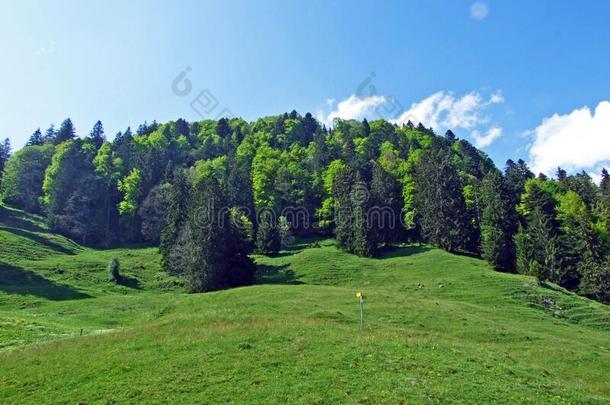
(360, 297)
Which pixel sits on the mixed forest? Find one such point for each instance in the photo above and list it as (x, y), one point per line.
(209, 193)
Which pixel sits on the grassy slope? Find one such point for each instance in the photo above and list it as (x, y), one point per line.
(52, 287)
(439, 328)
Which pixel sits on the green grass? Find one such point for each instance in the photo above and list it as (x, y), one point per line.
(439, 328)
(51, 287)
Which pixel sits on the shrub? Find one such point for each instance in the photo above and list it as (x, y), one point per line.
(268, 240)
(114, 268)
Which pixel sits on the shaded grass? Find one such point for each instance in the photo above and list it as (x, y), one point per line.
(15, 280)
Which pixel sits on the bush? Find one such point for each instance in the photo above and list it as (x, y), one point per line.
(114, 268)
(268, 240)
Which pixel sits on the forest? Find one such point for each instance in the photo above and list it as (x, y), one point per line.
(210, 193)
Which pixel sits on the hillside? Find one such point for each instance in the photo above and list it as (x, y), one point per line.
(439, 328)
(368, 184)
(52, 287)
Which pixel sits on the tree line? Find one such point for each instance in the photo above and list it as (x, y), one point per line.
(211, 192)
(5, 154)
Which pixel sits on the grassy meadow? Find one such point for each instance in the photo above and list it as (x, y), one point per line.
(439, 328)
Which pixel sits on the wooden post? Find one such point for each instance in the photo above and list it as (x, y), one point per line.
(360, 297)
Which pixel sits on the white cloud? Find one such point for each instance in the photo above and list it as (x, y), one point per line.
(428, 110)
(484, 140)
(496, 98)
(596, 175)
(479, 11)
(353, 107)
(440, 111)
(575, 141)
(463, 113)
(443, 111)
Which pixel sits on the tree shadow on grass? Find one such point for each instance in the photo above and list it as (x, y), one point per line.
(16, 280)
(301, 243)
(130, 282)
(547, 285)
(298, 245)
(466, 254)
(266, 274)
(285, 253)
(18, 219)
(403, 251)
(41, 240)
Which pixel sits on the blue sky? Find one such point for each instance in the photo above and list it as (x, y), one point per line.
(520, 78)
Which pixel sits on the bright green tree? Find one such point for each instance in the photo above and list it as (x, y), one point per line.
(131, 189)
(71, 192)
(108, 167)
(23, 177)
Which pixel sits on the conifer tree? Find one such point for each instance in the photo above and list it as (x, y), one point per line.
(66, 132)
(351, 196)
(36, 139)
(49, 135)
(5, 154)
(124, 148)
(6, 148)
(450, 136)
(516, 175)
(538, 249)
(175, 217)
(386, 195)
(604, 184)
(153, 211)
(544, 255)
(241, 267)
(523, 250)
(439, 202)
(366, 128)
(562, 178)
(363, 241)
(97, 135)
(310, 126)
(497, 221)
(343, 213)
(216, 255)
(223, 129)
